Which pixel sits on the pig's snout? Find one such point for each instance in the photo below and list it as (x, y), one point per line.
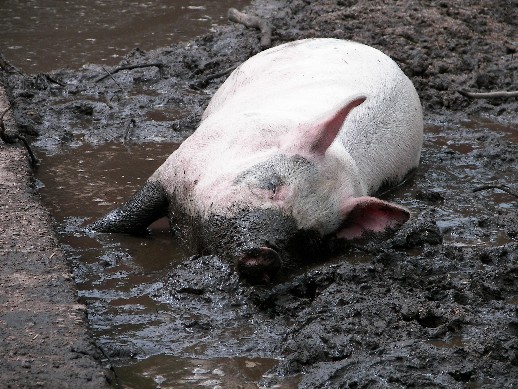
(259, 265)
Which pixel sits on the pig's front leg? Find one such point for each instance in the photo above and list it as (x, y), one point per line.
(147, 205)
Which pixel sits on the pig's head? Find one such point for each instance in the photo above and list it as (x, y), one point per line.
(279, 202)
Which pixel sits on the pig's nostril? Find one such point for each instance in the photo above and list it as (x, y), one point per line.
(259, 265)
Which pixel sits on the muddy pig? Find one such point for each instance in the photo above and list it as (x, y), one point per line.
(287, 156)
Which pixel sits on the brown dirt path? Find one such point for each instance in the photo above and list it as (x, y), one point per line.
(43, 334)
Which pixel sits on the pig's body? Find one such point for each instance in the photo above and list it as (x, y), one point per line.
(290, 145)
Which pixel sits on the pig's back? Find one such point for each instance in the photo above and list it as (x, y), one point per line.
(310, 76)
(302, 81)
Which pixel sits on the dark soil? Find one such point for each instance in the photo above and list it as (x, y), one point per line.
(433, 306)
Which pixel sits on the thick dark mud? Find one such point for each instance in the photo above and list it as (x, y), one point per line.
(435, 305)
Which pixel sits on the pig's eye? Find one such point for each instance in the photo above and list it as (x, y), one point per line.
(262, 179)
(273, 173)
(272, 187)
(272, 183)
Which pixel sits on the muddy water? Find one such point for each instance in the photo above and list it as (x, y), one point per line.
(39, 36)
(157, 342)
(118, 276)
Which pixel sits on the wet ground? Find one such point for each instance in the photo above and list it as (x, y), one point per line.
(433, 306)
(41, 36)
(150, 302)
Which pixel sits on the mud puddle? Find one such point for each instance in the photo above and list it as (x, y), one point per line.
(39, 36)
(159, 330)
(119, 277)
(171, 371)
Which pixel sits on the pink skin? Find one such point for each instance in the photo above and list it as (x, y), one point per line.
(318, 137)
(369, 215)
(354, 218)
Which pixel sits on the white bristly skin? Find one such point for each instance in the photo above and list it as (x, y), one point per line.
(274, 104)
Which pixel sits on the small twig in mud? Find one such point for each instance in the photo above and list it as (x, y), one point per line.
(488, 95)
(127, 134)
(130, 67)
(5, 112)
(112, 369)
(108, 101)
(54, 81)
(34, 161)
(203, 83)
(16, 137)
(115, 81)
(253, 22)
(7, 67)
(503, 188)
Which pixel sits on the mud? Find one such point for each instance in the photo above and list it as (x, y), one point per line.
(435, 305)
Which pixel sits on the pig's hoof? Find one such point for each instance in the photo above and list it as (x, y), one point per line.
(259, 265)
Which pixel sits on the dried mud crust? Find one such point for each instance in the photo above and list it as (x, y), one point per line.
(424, 310)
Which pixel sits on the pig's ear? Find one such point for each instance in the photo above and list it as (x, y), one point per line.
(362, 215)
(316, 137)
(324, 132)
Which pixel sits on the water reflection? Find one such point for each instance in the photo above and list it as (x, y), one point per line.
(44, 35)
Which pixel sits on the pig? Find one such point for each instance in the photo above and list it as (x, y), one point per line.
(288, 157)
